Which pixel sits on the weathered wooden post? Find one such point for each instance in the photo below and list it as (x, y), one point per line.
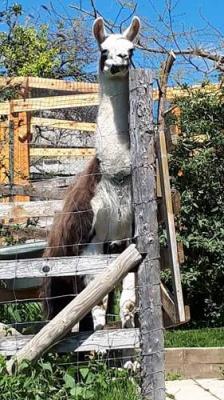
(142, 137)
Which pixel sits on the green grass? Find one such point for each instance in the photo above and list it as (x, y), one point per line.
(206, 337)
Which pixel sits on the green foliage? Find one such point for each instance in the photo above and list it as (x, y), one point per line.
(55, 379)
(24, 312)
(204, 337)
(28, 52)
(57, 50)
(197, 167)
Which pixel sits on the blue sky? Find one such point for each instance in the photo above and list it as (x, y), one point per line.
(188, 14)
(189, 11)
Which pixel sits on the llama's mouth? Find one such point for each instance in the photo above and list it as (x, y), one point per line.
(115, 69)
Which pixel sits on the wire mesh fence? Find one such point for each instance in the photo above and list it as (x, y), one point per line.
(58, 151)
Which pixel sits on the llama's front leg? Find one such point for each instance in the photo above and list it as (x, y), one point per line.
(99, 314)
(128, 301)
(99, 311)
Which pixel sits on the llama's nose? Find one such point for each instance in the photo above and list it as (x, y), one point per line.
(123, 56)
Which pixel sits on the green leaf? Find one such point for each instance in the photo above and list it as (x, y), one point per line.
(69, 381)
(84, 372)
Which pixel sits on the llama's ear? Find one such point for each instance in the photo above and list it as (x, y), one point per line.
(131, 32)
(99, 30)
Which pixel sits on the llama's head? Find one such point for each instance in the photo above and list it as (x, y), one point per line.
(116, 49)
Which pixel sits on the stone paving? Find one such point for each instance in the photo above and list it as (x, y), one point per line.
(195, 389)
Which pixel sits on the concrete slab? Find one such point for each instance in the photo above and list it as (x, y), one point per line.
(214, 386)
(189, 389)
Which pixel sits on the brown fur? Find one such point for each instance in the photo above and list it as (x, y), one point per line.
(71, 230)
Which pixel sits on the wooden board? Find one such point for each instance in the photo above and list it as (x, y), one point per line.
(57, 266)
(169, 219)
(191, 363)
(30, 209)
(4, 153)
(21, 127)
(195, 362)
(50, 167)
(87, 87)
(46, 189)
(63, 124)
(50, 84)
(117, 339)
(50, 103)
(61, 152)
(168, 303)
(24, 295)
(60, 138)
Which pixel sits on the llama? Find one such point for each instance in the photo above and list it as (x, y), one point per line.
(97, 212)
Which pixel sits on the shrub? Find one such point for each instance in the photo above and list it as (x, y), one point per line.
(62, 378)
(197, 168)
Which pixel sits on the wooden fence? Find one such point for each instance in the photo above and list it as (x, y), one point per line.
(18, 121)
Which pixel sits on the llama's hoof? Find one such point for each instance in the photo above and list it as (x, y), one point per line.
(132, 366)
(128, 322)
(98, 326)
(128, 314)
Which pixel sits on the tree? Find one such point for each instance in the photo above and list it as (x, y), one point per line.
(31, 49)
(197, 168)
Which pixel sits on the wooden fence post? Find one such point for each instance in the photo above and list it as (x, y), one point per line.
(142, 137)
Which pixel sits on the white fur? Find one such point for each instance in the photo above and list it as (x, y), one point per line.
(112, 202)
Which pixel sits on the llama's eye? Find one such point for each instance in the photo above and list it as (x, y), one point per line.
(104, 52)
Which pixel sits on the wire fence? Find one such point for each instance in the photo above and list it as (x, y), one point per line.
(58, 154)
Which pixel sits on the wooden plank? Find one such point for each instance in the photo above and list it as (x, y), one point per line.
(50, 103)
(117, 339)
(193, 363)
(61, 152)
(87, 87)
(143, 161)
(57, 266)
(4, 108)
(43, 168)
(167, 200)
(175, 92)
(61, 138)
(18, 210)
(81, 305)
(63, 124)
(4, 153)
(48, 189)
(25, 295)
(168, 303)
(129, 338)
(50, 84)
(21, 127)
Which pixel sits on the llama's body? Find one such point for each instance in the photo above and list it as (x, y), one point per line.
(97, 209)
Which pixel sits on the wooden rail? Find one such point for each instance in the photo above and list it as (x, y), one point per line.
(30, 209)
(61, 152)
(60, 325)
(63, 124)
(116, 339)
(87, 87)
(50, 84)
(57, 266)
(49, 103)
(190, 362)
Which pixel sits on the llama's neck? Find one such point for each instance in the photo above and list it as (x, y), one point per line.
(112, 136)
